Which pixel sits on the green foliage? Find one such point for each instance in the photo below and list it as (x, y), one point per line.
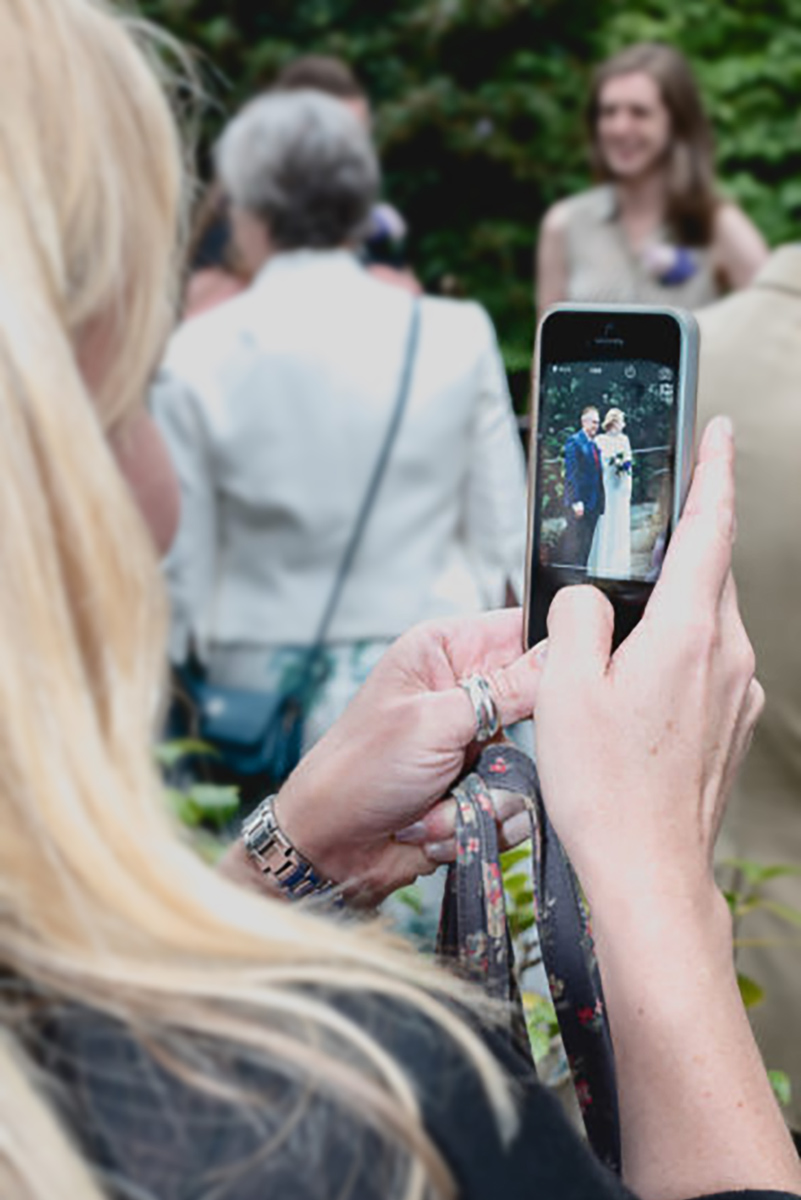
(751, 993)
(782, 1089)
(205, 809)
(541, 1023)
(204, 804)
(748, 892)
(477, 117)
(478, 111)
(748, 59)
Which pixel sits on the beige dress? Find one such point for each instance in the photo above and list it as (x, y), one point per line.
(602, 268)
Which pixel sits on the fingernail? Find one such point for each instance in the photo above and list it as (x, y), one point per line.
(722, 432)
(440, 852)
(412, 835)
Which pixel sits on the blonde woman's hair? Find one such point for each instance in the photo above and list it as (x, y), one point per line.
(100, 902)
(614, 416)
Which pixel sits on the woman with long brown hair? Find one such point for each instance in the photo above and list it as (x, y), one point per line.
(182, 1037)
(655, 229)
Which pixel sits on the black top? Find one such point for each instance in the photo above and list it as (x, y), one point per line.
(156, 1136)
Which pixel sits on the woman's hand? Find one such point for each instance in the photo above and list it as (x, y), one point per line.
(637, 749)
(398, 747)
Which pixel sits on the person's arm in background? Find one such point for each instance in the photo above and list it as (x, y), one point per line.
(637, 752)
(401, 277)
(739, 250)
(551, 260)
(191, 563)
(494, 521)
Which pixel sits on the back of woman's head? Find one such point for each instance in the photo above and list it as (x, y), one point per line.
(692, 197)
(305, 165)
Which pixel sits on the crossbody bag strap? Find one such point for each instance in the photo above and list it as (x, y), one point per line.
(377, 476)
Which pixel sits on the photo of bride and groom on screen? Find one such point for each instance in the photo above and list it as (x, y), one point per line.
(598, 468)
(605, 467)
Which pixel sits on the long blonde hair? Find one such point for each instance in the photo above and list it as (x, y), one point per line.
(100, 902)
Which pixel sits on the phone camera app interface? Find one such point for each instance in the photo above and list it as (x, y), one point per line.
(606, 467)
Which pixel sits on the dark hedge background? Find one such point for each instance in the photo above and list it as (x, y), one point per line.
(478, 111)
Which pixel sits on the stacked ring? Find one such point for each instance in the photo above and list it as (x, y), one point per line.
(488, 720)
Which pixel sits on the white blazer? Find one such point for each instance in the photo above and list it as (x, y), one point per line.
(275, 406)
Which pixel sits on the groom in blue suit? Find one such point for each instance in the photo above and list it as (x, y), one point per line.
(584, 489)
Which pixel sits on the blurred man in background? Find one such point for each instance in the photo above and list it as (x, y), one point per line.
(751, 370)
(384, 248)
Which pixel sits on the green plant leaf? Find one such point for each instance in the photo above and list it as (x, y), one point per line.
(751, 993)
(791, 915)
(412, 897)
(541, 1023)
(171, 752)
(511, 858)
(214, 800)
(182, 806)
(782, 1088)
(756, 873)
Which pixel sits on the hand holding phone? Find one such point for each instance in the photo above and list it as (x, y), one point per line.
(611, 452)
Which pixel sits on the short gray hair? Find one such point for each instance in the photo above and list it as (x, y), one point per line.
(305, 165)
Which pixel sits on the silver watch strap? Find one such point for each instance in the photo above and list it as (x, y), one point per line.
(276, 857)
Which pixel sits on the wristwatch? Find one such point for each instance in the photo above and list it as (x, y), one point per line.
(277, 858)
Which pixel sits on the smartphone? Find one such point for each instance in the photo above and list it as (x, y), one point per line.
(611, 454)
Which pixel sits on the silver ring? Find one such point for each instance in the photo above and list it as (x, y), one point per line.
(488, 720)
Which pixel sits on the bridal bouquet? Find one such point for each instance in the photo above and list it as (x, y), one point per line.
(620, 464)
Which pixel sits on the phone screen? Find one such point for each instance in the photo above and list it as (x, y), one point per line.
(605, 446)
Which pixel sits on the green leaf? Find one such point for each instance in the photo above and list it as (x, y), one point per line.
(182, 806)
(511, 858)
(782, 1088)
(412, 897)
(791, 915)
(751, 993)
(541, 1023)
(169, 753)
(214, 800)
(755, 873)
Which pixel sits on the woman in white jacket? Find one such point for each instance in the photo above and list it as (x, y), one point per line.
(276, 404)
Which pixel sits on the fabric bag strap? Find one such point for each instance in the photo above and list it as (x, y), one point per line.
(376, 478)
(474, 933)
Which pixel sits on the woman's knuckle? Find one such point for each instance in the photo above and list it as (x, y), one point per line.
(757, 695)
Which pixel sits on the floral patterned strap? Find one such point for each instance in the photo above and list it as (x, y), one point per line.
(474, 933)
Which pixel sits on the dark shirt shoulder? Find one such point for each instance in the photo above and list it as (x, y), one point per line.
(154, 1129)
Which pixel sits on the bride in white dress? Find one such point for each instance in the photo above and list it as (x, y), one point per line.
(610, 553)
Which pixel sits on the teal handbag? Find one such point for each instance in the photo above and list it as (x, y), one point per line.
(261, 733)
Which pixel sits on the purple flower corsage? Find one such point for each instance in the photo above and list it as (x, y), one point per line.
(670, 265)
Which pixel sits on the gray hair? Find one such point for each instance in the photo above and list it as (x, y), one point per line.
(305, 165)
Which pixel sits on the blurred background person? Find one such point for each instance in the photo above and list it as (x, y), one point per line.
(751, 370)
(275, 405)
(216, 273)
(655, 230)
(383, 248)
